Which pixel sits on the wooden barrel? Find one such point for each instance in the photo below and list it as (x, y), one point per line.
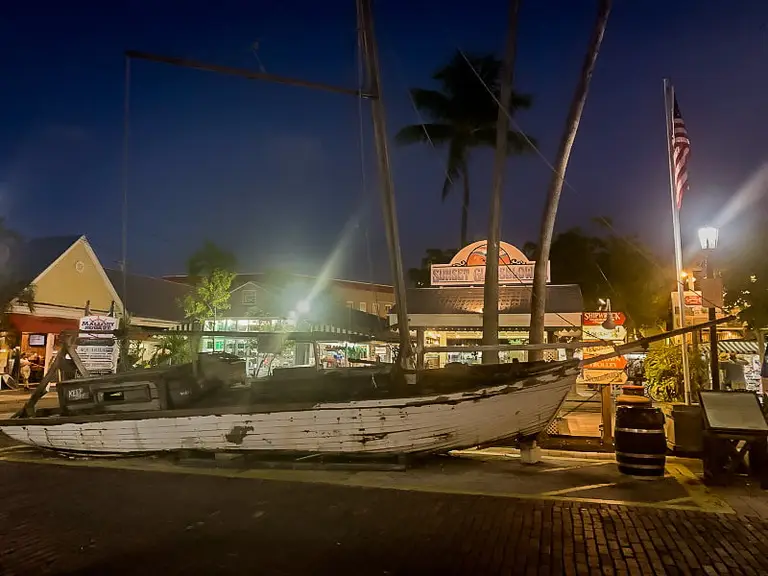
(640, 443)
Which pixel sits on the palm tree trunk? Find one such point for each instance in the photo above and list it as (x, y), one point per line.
(465, 205)
(491, 287)
(538, 296)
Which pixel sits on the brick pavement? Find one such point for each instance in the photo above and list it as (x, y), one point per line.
(65, 520)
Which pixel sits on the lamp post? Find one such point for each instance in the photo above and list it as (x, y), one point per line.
(708, 238)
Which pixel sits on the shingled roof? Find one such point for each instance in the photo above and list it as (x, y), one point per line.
(149, 297)
(512, 300)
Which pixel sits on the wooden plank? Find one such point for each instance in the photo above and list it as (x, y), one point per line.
(375, 429)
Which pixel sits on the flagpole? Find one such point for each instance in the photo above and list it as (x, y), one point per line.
(669, 99)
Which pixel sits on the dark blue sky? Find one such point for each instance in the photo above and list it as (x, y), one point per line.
(273, 172)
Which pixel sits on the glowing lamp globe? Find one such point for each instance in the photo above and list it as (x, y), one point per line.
(708, 237)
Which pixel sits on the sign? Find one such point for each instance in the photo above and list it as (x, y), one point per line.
(467, 268)
(616, 377)
(94, 323)
(615, 363)
(610, 370)
(597, 318)
(598, 333)
(98, 351)
(695, 312)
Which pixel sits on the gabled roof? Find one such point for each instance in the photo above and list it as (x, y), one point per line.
(30, 258)
(149, 297)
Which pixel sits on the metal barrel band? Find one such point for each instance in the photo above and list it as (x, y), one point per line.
(639, 456)
(641, 466)
(640, 431)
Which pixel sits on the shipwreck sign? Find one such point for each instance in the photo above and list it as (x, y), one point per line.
(98, 351)
(467, 268)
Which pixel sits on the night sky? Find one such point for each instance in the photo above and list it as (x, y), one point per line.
(273, 172)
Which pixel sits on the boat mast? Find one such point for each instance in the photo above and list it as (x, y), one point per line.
(371, 59)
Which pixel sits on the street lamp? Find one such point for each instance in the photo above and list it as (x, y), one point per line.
(708, 236)
(609, 324)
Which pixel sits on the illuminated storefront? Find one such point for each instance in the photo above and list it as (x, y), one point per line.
(450, 313)
(325, 332)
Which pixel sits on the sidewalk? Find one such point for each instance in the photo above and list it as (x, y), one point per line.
(79, 520)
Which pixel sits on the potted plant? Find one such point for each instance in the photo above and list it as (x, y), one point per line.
(664, 373)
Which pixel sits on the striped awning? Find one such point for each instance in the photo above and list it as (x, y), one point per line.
(733, 346)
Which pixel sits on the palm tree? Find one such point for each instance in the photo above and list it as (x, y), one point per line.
(462, 115)
(539, 292)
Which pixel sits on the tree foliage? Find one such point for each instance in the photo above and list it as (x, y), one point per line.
(209, 296)
(664, 372)
(606, 265)
(420, 277)
(13, 290)
(745, 279)
(461, 116)
(171, 349)
(209, 258)
(212, 271)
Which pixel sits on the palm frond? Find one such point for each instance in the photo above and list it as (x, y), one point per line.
(517, 142)
(418, 133)
(433, 103)
(454, 168)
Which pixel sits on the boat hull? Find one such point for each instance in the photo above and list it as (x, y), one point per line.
(425, 424)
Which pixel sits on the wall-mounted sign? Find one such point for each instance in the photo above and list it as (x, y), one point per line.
(695, 312)
(467, 268)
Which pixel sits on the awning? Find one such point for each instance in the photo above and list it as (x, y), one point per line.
(41, 324)
(733, 346)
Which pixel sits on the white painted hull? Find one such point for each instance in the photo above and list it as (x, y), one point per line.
(425, 424)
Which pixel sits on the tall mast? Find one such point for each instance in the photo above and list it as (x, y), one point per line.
(491, 286)
(371, 60)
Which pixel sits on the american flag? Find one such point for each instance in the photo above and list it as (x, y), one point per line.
(681, 149)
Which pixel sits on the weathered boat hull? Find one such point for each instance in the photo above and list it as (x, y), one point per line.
(423, 424)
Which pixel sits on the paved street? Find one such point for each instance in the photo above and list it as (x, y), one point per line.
(96, 520)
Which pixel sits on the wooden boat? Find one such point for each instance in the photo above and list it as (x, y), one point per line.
(362, 411)
(450, 408)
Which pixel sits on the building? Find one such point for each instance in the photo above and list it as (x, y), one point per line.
(450, 312)
(329, 322)
(376, 299)
(66, 276)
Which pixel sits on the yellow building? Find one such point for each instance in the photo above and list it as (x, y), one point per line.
(65, 275)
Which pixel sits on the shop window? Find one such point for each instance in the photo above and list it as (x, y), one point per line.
(242, 325)
(249, 296)
(219, 345)
(207, 344)
(231, 325)
(220, 326)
